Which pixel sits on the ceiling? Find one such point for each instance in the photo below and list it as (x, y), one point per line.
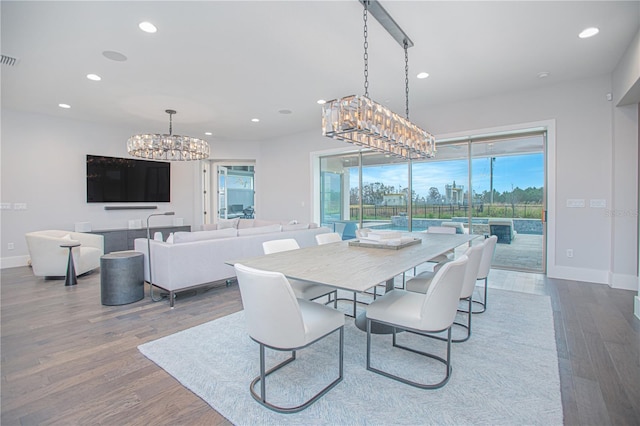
(222, 63)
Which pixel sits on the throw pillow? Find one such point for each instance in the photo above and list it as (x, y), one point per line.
(295, 227)
(187, 237)
(259, 230)
(170, 238)
(228, 223)
(259, 223)
(245, 223)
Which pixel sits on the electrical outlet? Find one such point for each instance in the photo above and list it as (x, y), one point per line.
(569, 252)
(10, 246)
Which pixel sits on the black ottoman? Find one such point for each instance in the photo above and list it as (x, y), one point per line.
(121, 277)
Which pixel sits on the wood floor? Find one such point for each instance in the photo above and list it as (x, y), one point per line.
(67, 359)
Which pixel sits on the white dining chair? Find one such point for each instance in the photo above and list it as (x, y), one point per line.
(334, 237)
(421, 283)
(328, 238)
(278, 320)
(485, 268)
(421, 314)
(302, 289)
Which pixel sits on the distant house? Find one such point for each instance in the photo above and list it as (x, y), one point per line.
(394, 200)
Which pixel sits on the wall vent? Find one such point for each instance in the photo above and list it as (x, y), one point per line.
(9, 60)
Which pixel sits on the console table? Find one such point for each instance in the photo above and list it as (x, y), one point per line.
(123, 239)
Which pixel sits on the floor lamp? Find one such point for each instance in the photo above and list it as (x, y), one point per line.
(149, 251)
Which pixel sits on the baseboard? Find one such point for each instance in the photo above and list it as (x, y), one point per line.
(625, 282)
(578, 274)
(14, 262)
(636, 305)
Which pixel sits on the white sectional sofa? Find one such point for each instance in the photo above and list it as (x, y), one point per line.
(196, 258)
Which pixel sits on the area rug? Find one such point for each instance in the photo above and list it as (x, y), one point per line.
(506, 374)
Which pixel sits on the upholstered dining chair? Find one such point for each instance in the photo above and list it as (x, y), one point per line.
(334, 237)
(442, 230)
(278, 320)
(445, 257)
(421, 314)
(302, 290)
(485, 267)
(328, 238)
(421, 283)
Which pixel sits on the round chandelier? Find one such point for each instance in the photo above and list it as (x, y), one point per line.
(167, 147)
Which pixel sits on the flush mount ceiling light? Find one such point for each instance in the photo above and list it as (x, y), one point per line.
(167, 147)
(359, 120)
(94, 77)
(588, 32)
(147, 27)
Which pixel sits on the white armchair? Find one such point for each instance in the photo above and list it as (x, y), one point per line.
(48, 259)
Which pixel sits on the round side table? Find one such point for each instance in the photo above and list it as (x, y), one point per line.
(121, 277)
(70, 278)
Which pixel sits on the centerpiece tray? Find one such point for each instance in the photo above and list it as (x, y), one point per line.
(389, 245)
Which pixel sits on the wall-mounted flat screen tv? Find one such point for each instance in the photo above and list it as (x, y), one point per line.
(125, 180)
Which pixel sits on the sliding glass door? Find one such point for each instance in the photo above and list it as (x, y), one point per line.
(490, 185)
(508, 199)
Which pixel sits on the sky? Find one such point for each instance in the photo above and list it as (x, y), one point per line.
(509, 172)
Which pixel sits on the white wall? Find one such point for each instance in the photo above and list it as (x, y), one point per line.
(584, 169)
(43, 165)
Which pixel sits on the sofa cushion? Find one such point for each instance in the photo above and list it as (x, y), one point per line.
(228, 223)
(185, 237)
(259, 230)
(209, 227)
(295, 226)
(245, 223)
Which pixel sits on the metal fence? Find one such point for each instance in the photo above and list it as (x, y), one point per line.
(447, 211)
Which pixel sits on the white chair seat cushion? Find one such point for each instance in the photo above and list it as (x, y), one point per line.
(319, 320)
(398, 307)
(421, 282)
(308, 291)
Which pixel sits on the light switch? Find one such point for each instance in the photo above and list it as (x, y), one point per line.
(598, 203)
(575, 202)
(5, 206)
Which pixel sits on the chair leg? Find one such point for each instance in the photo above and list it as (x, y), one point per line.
(446, 362)
(262, 397)
(483, 302)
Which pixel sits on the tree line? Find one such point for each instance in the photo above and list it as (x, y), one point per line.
(373, 194)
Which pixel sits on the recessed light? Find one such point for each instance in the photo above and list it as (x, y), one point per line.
(114, 56)
(255, 120)
(543, 74)
(423, 75)
(285, 111)
(589, 32)
(321, 102)
(147, 27)
(94, 77)
(65, 106)
(208, 133)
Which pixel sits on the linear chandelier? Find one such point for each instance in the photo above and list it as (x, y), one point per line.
(364, 122)
(167, 147)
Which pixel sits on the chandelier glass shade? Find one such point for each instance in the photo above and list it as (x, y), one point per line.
(170, 147)
(361, 121)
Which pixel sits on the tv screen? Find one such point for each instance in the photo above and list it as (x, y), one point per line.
(125, 180)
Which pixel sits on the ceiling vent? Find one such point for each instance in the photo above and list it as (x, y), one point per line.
(9, 60)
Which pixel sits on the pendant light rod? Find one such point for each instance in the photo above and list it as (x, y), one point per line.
(387, 22)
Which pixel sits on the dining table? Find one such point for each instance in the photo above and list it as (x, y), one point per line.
(355, 265)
